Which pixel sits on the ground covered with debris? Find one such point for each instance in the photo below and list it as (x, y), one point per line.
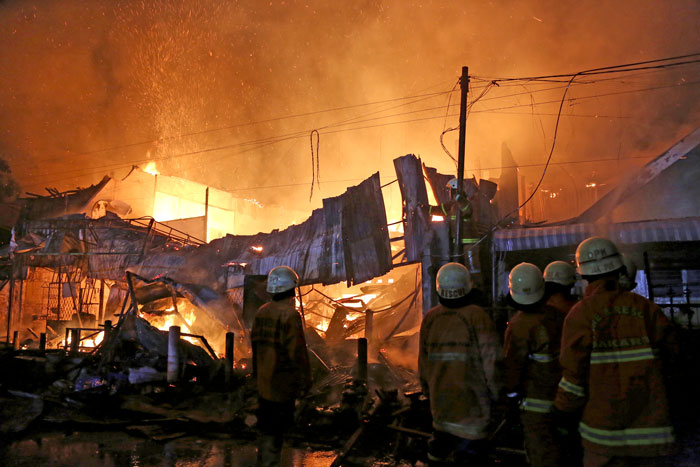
(116, 404)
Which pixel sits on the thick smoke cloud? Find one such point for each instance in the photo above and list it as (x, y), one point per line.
(88, 88)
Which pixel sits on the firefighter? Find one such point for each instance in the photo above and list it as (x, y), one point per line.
(614, 346)
(559, 278)
(281, 363)
(458, 203)
(628, 276)
(531, 350)
(459, 364)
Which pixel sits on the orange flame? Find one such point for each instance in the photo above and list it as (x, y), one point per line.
(151, 168)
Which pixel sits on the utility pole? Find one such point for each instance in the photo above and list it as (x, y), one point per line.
(464, 85)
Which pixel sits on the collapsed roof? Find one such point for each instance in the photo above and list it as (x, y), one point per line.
(346, 240)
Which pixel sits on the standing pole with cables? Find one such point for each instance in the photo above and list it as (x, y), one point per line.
(464, 85)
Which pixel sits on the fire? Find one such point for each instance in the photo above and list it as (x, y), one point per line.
(94, 341)
(89, 343)
(397, 227)
(347, 300)
(257, 249)
(151, 168)
(170, 318)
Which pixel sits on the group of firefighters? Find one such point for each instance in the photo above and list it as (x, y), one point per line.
(586, 378)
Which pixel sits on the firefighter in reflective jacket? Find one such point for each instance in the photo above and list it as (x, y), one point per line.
(614, 345)
(280, 363)
(459, 364)
(559, 278)
(458, 204)
(531, 350)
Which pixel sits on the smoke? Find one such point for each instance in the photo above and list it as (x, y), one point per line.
(90, 88)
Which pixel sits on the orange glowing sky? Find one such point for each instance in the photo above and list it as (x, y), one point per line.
(227, 93)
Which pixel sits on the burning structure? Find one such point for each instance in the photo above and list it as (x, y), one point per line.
(157, 305)
(82, 279)
(227, 94)
(112, 290)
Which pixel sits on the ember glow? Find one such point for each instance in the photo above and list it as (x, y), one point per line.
(151, 168)
(184, 316)
(85, 343)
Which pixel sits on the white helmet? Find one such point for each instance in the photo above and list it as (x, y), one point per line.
(560, 272)
(596, 256)
(282, 279)
(630, 273)
(453, 281)
(453, 183)
(526, 284)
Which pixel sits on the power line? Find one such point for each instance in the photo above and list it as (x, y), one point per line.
(605, 70)
(240, 125)
(556, 127)
(295, 135)
(257, 144)
(354, 118)
(501, 81)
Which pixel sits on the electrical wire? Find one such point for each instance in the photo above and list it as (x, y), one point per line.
(237, 125)
(501, 81)
(258, 144)
(522, 166)
(444, 125)
(604, 70)
(295, 135)
(556, 129)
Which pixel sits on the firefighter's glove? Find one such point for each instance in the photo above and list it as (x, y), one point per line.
(566, 423)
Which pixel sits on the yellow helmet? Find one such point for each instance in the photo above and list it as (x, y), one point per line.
(526, 284)
(453, 281)
(596, 256)
(282, 279)
(560, 272)
(627, 277)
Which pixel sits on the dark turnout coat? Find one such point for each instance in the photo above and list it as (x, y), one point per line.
(281, 359)
(459, 364)
(613, 347)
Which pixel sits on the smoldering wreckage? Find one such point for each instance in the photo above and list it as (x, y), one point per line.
(143, 327)
(138, 326)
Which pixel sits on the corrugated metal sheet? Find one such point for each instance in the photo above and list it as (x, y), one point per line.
(667, 230)
(46, 207)
(415, 202)
(346, 240)
(365, 233)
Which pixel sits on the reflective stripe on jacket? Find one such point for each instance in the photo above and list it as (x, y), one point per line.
(531, 350)
(281, 358)
(611, 348)
(459, 365)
